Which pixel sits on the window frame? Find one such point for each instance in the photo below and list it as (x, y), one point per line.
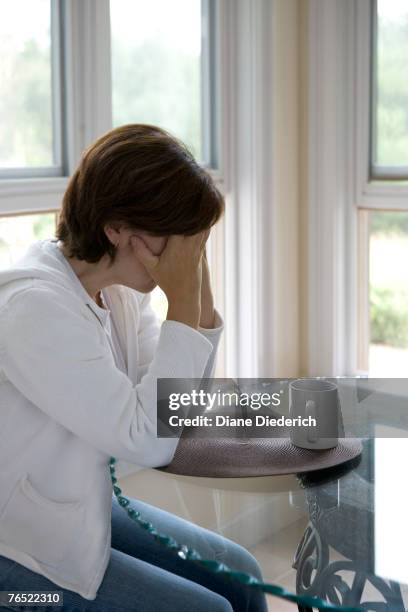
(380, 188)
(341, 191)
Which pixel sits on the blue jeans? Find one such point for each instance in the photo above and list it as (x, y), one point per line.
(144, 576)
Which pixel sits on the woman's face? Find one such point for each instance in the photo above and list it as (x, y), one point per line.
(128, 267)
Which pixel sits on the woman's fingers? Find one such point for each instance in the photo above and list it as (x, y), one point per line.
(189, 246)
(196, 242)
(177, 245)
(144, 254)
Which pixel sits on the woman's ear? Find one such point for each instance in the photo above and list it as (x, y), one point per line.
(113, 233)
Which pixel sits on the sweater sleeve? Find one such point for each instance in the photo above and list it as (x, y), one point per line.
(149, 331)
(213, 335)
(56, 357)
(149, 327)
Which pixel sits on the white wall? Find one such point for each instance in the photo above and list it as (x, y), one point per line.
(286, 151)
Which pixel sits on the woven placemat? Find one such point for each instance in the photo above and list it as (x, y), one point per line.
(233, 458)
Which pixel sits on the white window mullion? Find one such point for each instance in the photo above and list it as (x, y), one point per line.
(88, 74)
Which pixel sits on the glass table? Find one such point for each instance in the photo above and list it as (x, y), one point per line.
(339, 534)
(350, 552)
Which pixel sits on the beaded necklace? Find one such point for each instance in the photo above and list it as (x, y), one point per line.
(189, 554)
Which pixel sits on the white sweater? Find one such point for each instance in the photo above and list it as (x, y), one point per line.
(65, 408)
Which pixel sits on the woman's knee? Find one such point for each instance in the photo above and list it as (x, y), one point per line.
(240, 559)
(207, 600)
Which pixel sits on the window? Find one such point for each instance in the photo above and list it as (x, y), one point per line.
(388, 287)
(390, 90)
(383, 215)
(358, 193)
(159, 58)
(30, 128)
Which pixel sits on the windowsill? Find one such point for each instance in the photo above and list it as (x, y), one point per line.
(31, 195)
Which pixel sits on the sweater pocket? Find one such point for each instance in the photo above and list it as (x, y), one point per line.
(37, 526)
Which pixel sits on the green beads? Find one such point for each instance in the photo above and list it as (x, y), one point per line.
(134, 514)
(211, 564)
(144, 524)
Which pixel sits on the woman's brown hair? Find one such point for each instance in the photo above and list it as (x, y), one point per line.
(139, 176)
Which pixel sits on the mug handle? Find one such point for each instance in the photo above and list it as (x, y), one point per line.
(310, 411)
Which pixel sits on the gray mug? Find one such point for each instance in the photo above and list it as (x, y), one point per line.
(319, 400)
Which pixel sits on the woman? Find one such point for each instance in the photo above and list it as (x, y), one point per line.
(80, 354)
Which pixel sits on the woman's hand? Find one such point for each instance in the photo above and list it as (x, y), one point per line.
(207, 300)
(178, 272)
